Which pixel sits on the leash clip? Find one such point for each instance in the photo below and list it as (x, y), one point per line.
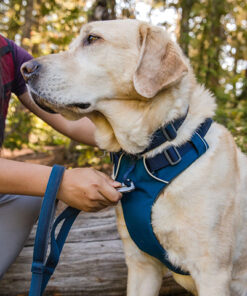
(126, 187)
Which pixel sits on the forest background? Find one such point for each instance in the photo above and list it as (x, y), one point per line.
(212, 33)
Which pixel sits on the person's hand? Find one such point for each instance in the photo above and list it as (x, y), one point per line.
(88, 189)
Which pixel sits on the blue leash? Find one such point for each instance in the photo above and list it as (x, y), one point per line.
(43, 269)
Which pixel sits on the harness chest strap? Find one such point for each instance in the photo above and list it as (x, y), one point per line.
(150, 177)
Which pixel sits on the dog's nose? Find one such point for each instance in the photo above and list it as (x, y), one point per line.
(30, 69)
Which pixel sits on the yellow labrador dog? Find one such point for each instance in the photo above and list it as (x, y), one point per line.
(130, 78)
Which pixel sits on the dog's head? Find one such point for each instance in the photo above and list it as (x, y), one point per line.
(120, 59)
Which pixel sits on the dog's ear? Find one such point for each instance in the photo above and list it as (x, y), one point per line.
(160, 64)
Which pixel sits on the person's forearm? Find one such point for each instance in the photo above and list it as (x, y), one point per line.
(81, 130)
(23, 178)
(82, 188)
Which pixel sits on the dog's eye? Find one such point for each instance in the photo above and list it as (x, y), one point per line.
(92, 38)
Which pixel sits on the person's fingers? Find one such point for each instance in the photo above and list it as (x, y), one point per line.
(110, 193)
(112, 182)
(100, 199)
(116, 184)
(97, 205)
(107, 202)
(95, 192)
(108, 188)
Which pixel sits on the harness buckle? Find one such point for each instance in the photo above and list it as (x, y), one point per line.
(169, 132)
(172, 155)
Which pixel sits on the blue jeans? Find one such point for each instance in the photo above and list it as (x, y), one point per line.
(18, 213)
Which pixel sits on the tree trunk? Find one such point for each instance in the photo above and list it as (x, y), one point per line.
(243, 94)
(102, 10)
(216, 9)
(92, 263)
(184, 38)
(27, 26)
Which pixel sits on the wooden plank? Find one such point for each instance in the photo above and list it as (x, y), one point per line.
(92, 263)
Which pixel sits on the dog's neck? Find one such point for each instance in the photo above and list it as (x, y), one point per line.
(129, 124)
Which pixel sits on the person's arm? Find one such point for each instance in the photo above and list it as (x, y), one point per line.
(80, 130)
(85, 189)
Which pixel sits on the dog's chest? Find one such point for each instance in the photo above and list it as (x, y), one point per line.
(180, 222)
(171, 226)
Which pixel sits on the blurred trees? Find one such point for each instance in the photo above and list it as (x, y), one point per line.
(212, 33)
(102, 10)
(41, 27)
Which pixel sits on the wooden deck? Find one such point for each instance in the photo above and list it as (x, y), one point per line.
(91, 264)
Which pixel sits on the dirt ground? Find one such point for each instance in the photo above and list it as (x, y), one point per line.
(49, 155)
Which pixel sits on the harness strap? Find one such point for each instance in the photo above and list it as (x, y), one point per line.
(173, 155)
(166, 133)
(42, 269)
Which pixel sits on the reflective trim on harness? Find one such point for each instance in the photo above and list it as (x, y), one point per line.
(150, 176)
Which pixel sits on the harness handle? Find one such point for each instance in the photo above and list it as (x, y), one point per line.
(42, 269)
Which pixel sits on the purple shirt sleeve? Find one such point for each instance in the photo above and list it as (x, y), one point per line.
(20, 56)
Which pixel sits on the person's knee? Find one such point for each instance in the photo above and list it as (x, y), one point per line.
(29, 208)
(17, 216)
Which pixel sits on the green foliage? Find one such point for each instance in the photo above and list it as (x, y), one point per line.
(232, 113)
(89, 157)
(18, 126)
(211, 33)
(25, 129)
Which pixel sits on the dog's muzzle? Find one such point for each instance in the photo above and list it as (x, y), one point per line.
(41, 104)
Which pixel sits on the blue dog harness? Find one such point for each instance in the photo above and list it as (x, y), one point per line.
(150, 176)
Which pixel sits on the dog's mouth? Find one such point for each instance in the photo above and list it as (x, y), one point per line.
(70, 110)
(42, 103)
